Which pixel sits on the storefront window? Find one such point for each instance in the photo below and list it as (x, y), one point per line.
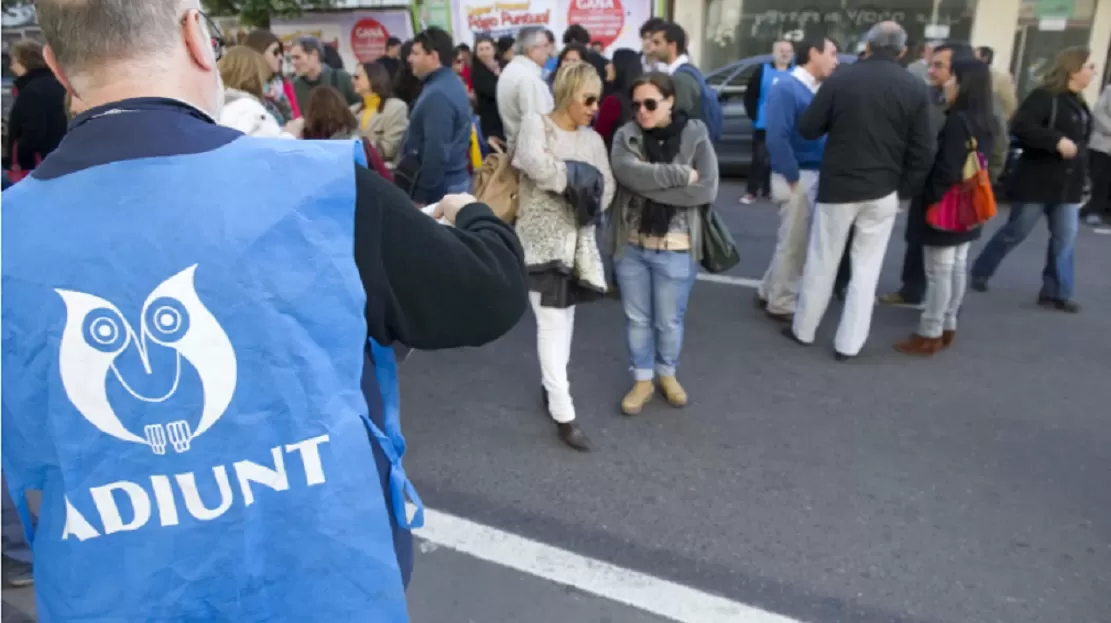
(1044, 29)
(737, 29)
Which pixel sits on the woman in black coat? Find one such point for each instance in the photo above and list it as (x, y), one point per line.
(968, 122)
(37, 121)
(484, 80)
(1052, 125)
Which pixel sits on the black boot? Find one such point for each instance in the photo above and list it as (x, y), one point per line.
(573, 436)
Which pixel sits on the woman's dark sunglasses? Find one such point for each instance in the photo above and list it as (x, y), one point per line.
(590, 100)
(649, 104)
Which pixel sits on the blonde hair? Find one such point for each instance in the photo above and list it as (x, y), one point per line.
(1069, 62)
(245, 69)
(572, 79)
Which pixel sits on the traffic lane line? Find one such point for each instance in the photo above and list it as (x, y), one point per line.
(625, 586)
(744, 282)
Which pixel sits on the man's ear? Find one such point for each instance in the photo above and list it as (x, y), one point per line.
(199, 42)
(52, 63)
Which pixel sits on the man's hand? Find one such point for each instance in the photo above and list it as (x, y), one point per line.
(450, 205)
(1066, 148)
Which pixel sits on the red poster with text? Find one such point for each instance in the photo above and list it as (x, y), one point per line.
(368, 40)
(603, 19)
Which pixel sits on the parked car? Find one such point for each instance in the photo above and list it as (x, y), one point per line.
(734, 149)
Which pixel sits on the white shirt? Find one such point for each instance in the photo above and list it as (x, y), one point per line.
(651, 65)
(521, 91)
(679, 62)
(806, 78)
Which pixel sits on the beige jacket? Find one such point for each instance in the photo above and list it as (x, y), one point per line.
(1003, 86)
(387, 128)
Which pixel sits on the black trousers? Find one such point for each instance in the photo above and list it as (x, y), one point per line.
(759, 172)
(914, 274)
(845, 269)
(1100, 202)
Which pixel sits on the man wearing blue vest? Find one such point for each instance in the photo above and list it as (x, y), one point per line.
(197, 371)
(756, 101)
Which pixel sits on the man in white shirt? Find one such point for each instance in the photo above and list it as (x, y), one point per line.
(669, 46)
(521, 90)
(648, 47)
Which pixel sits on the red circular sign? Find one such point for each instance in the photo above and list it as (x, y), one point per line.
(603, 19)
(368, 40)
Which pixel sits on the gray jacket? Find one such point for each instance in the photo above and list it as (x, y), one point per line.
(663, 183)
(1101, 123)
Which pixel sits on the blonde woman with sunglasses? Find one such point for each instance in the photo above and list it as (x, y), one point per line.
(565, 184)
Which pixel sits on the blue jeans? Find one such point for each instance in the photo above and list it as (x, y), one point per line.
(14, 542)
(1064, 221)
(655, 287)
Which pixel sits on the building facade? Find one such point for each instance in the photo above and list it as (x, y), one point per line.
(1025, 34)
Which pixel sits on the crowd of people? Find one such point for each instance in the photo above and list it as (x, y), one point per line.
(305, 300)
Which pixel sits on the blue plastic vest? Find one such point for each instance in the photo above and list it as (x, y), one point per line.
(183, 346)
(770, 77)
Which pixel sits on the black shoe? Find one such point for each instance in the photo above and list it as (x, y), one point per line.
(789, 333)
(573, 436)
(842, 357)
(1069, 307)
(759, 302)
(979, 284)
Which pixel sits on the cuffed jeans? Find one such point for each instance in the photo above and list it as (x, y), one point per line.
(655, 287)
(555, 327)
(946, 281)
(871, 223)
(1064, 221)
(781, 281)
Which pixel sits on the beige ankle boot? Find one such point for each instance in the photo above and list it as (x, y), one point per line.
(673, 391)
(637, 397)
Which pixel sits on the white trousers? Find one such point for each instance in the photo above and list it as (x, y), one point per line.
(781, 281)
(554, 329)
(946, 282)
(871, 222)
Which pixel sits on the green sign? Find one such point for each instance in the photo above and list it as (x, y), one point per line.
(436, 13)
(1053, 8)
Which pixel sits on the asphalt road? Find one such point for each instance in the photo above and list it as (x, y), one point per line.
(972, 487)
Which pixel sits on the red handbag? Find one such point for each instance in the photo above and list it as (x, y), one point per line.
(375, 161)
(969, 203)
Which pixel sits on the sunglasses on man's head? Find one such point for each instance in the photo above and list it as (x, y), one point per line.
(649, 104)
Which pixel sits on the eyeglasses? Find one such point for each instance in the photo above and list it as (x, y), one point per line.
(590, 100)
(218, 42)
(649, 104)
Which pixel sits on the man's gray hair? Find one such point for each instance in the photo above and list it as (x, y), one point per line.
(87, 34)
(529, 37)
(888, 37)
(310, 44)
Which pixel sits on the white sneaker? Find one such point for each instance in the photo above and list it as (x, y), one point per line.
(748, 199)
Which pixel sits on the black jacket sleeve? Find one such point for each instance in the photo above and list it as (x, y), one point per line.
(37, 122)
(948, 166)
(921, 146)
(430, 286)
(1031, 122)
(752, 93)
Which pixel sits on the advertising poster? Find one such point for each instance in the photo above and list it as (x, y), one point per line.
(616, 23)
(359, 36)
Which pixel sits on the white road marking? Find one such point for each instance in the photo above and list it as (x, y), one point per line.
(638, 590)
(1103, 230)
(744, 282)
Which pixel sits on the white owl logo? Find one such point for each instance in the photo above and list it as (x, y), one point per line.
(173, 316)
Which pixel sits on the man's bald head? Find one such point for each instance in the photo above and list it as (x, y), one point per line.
(86, 35)
(887, 38)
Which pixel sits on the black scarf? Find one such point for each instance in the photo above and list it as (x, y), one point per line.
(661, 145)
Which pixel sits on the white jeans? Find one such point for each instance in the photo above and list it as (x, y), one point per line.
(946, 281)
(554, 329)
(781, 281)
(872, 222)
